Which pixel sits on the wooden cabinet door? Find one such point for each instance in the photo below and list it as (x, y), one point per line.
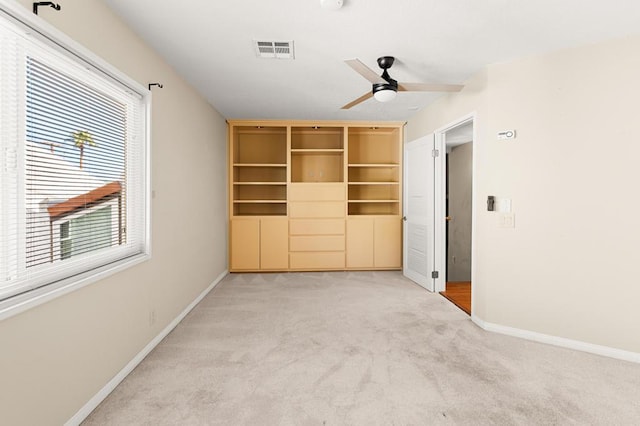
(360, 243)
(274, 243)
(387, 242)
(245, 244)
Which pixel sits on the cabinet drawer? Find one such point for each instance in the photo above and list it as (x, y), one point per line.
(317, 243)
(316, 227)
(317, 209)
(316, 260)
(317, 192)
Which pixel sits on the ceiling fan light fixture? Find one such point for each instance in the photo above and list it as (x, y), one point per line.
(384, 92)
(331, 4)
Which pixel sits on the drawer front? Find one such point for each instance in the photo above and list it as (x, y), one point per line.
(316, 192)
(317, 260)
(317, 243)
(317, 209)
(316, 227)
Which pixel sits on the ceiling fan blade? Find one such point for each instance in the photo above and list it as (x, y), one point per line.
(364, 70)
(359, 100)
(427, 87)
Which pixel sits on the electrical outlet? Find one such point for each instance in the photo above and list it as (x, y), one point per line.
(507, 220)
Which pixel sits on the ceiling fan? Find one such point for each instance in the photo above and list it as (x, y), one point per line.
(385, 88)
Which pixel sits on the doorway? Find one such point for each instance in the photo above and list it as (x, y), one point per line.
(435, 251)
(456, 195)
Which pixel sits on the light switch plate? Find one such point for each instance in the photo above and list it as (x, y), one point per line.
(504, 205)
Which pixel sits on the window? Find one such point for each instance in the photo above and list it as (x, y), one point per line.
(73, 200)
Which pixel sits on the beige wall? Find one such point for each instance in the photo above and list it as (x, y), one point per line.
(569, 267)
(55, 357)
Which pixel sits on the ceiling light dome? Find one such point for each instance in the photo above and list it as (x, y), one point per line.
(385, 92)
(331, 4)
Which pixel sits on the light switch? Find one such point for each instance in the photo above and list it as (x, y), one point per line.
(504, 205)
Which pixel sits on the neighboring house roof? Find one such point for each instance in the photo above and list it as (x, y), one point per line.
(52, 179)
(84, 200)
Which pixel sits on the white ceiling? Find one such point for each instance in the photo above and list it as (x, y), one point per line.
(437, 41)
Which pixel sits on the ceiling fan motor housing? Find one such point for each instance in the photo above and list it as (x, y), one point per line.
(385, 62)
(391, 85)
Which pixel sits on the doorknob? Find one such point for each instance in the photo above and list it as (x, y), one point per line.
(404, 218)
(448, 218)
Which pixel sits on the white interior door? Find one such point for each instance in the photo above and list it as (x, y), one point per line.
(419, 197)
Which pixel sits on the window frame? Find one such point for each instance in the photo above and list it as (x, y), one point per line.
(51, 38)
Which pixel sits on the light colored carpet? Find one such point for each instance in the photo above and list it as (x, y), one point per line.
(365, 348)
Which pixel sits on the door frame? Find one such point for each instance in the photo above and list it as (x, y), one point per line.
(440, 234)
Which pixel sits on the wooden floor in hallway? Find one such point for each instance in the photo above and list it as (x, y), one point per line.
(459, 293)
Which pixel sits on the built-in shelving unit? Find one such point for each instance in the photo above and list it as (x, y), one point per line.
(314, 195)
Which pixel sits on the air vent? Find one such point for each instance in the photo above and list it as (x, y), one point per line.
(274, 49)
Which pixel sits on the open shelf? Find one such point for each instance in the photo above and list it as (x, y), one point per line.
(373, 174)
(366, 192)
(259, 165)
(378, 207)
(317, 167)
(276, 193)
(302, 151)
(264, 174)
(260, 183)
(374, 146)
(317, 154)
(317, 137)
(262, 208)
(260, 145)
(373, 165)
(259, 202)
(374, 183)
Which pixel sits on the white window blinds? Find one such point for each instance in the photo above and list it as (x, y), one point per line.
(73, 165)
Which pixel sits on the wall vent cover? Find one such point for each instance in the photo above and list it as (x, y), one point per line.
(274, 49)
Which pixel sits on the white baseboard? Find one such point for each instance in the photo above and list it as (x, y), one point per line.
(558, 341)
(84, 412)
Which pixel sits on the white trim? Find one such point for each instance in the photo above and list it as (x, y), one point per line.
(440, 211)
(558, 341)
(440, 261)
(84, 412)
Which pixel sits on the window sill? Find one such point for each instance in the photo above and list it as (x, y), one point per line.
(23, 302)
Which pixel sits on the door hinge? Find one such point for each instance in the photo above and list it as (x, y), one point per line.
(435, 153)
(435, 274)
